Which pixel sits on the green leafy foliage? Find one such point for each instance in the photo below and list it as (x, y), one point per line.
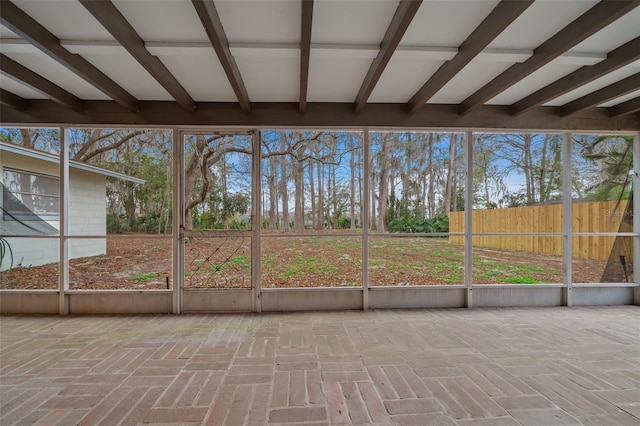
(151, 223)
(117, 224)
(146, 277)
(414, 224)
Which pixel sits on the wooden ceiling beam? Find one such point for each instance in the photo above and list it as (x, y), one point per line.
(319, 115)
(29, 29)
(213, 26)
(20, 73)
(305, 51)
(618, 58)
(612, 91)
(628, 107)
(500, 18)
(13, 101)
(401, 20)
(113, 21)
(599, 16)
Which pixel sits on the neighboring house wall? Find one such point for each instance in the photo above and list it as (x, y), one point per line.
(87, 213)
(87, 216)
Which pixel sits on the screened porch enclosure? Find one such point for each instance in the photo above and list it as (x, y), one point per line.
(312, 154)
(276, 220)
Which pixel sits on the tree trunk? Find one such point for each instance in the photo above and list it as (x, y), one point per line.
(27, 140)
(336, 210)
(432, 177)
(352, 183)
(320, 204)
(130, 206)
(273, 195)
(372, 196)
(298, 178)
(384, 183)
(450, 173)
(528, 169)
(283, 184)
(312, 191)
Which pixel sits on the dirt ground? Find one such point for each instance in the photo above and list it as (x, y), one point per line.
(139, 262)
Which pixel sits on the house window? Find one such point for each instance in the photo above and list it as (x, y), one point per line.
(30, 196)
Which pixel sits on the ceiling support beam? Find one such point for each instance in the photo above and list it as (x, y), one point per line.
(405, 12)
(18, 72)
(211, 22)
(13, 101)
(618, 58)
(500, 18)
(628, 107)
(305, 51)
(612, 91)
(593, 20)
(29, 29)
(318, 116)
(113, 21)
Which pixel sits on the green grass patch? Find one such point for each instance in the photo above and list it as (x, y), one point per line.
(306, 265)
(241, 261)
(146, 277)
(271, 260)
(520, 280)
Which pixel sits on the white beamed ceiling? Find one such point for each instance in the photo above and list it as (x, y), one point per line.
(264, 37)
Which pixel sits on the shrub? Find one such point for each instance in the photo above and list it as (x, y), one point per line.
(344, 222)
(151, 223)
(238, 224)
(414, 224)
(117, 224)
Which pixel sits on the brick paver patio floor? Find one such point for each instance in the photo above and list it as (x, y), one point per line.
(525, 366)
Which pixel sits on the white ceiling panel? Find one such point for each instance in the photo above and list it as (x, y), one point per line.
(624, 29)
(129, 74)
(446, 23)
(597, 84)
(162, 20)
(471, 78)
(621, 99)
(539, 79)
(351, 21)
(19, 89)
(51, 70)
(7, 33)
(402, 79)
(264, 39)
(65, 19)
(540, 22)
(271, 79)
(247, 21)
(18, 45)
(335, 80)
(201, 76)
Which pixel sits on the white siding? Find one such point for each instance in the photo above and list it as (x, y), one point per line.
(87, 203)
(29, 252)
(87, 216)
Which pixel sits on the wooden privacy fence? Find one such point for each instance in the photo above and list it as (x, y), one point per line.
(586, 217)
